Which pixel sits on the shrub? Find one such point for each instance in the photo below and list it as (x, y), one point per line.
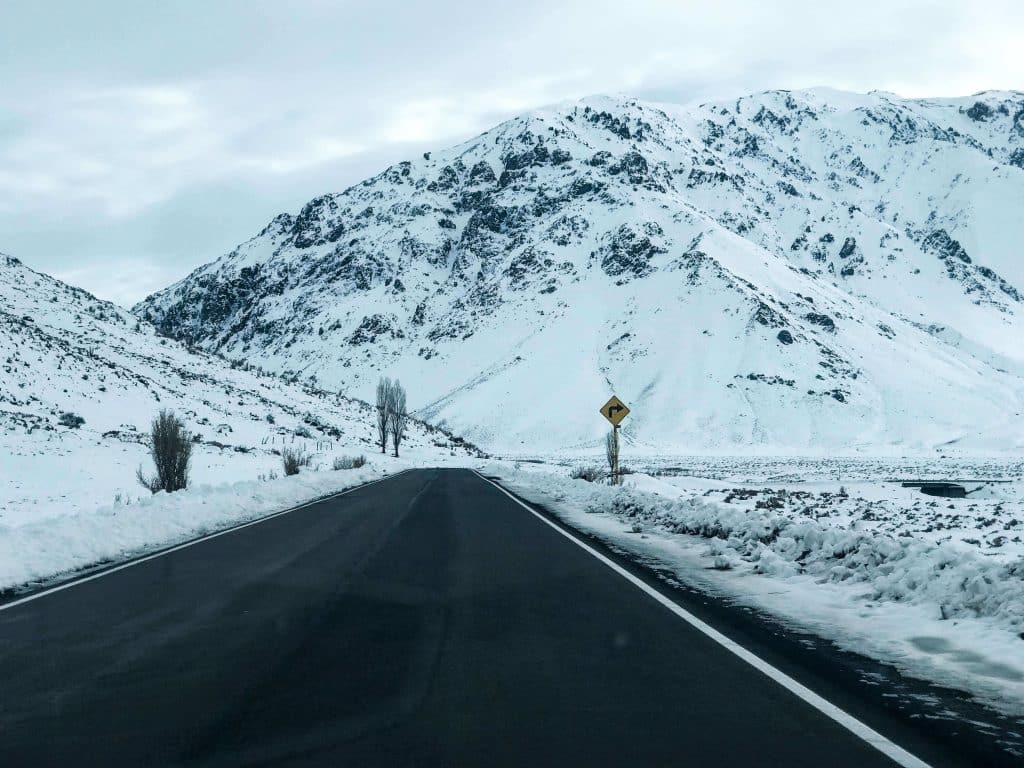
(293, 459)
(590, 474)
(70, 420)
(348, 462)
(171, 449)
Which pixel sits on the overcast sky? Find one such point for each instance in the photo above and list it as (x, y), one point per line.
(140, 139)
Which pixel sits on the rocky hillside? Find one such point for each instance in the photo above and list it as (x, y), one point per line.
(80, 380)
(804, 271)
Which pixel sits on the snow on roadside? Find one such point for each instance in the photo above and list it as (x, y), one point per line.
(46, 548)
(938, 611)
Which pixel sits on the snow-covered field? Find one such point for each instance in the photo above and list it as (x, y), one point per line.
(857, 494)
(70, 500)
(59, 534)
(934, 586)
(79, 471)
(49, 547)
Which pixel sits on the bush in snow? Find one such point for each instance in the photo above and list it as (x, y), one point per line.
(70, 420)
(348, 462)
(590, 474)
(961, 583)
(293, 459)
(171, 448)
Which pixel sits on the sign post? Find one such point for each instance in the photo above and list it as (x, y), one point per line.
(615, 472)
(615, 411)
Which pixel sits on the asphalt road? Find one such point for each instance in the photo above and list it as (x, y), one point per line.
(426, 620)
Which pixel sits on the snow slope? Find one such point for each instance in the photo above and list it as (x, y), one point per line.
(64, 351)
(796, 272)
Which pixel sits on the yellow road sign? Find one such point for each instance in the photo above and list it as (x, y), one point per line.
(614, 410)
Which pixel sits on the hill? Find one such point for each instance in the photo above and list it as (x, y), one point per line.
(66, 356)
(809, 271)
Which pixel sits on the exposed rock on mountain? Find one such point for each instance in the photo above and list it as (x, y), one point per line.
(769, 238)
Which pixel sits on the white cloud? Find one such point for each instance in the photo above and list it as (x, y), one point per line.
(179, 116)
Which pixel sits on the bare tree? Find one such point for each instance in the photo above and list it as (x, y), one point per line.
(171, 449)
(609, 451)
(385, 391)
(398, 418)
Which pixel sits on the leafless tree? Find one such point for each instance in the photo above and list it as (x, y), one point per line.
(398, 418)
(385, 392)
(171, 449)
(609, 451)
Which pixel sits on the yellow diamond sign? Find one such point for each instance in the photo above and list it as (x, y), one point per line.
(614, 410)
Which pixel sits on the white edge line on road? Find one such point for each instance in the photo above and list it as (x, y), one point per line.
(827, 708)
(189, 543)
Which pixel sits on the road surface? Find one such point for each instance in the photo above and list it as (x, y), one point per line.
(426, 620)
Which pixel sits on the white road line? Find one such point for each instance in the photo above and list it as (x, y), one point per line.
(190, 543)
(827, 708)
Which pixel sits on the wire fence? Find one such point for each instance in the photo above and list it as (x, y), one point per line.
(321, 446)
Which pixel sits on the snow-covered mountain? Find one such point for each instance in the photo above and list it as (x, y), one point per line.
(66, 354)
(798, 271)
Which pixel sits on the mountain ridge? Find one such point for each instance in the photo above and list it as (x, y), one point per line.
(814, 237)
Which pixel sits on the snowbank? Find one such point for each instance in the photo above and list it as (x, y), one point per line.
(960, 582)
(46, 548)
(940, 611)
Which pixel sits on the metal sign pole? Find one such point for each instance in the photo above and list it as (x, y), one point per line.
(617, 476)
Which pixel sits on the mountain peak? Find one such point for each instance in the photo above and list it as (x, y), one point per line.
(747, 269)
